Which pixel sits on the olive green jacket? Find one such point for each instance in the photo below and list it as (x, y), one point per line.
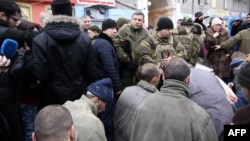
(135, 38)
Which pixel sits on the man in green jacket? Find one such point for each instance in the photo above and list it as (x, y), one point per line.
(242, 38)
(171, 111)
(126, 43)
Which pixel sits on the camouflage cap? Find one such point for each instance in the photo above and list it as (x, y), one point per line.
(187, 21)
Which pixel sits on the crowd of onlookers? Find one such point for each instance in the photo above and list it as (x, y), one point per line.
(71, 80)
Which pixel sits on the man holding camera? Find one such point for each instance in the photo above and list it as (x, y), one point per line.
(199, 17)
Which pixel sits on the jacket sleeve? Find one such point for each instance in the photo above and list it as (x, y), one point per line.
(145, 53)
(38, 63)
(232, 41)
(208, 133)
(118, 42)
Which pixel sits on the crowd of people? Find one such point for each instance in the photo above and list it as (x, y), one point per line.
(121, 81)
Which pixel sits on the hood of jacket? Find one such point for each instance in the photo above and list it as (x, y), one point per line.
(62, 28)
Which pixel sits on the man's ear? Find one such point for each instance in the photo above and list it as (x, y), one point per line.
(186, 80)
(72, 133)
(33, 136)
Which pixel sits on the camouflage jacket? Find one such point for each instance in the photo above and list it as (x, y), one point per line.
(151, 49)
(128, 37)
(192, 46)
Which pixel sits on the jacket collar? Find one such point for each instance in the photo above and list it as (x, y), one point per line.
(147, 86)
(105, 37)
(172, 86)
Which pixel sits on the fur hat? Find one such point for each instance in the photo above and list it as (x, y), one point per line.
(198, 14)
(216, 21)
(61, 7)
(164, 23)
(102, 89)
(121, 21)
(244, 75)
(109, 23)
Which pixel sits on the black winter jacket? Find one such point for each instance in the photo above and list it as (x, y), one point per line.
(107, 62)
(63, 60)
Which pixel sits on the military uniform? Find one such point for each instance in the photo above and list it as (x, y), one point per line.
(126, 43)
(152, 47)
(186, 37)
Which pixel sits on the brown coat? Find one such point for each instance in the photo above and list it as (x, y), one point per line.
(219, 59)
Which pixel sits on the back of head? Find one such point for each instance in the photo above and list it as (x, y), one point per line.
(148, 71)
(61, 7)
(244, 75)
(121, 21)
(53, 122)
(9, 7)
(187, 21)
(177, 69)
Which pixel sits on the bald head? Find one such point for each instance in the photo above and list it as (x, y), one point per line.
(53, 122)
(149, 71)
(177, 69)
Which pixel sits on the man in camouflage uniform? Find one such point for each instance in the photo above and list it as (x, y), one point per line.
(157, 47)
(126, 43)
(183, 33)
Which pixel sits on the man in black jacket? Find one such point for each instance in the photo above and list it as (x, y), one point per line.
(62, 57)
(9, 16)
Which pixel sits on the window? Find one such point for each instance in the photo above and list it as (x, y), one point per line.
(184, 1)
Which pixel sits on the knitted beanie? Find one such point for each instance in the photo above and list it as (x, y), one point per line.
(102, 89)
(121, 21)
(109, 23)
(197, 29)
(95, 28)
(244, 75)
(164, 23)
(198, 14)
(216, 21)
(61, 7)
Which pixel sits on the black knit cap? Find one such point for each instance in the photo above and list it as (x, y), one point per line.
(61, 7)
(109, 23)
(197, 29)
(244, 75)
(198, 14)
(164, 23)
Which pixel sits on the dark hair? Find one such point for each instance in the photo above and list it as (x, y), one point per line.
(148, 71)
(150, 27)
(177, 69)
(138, 13)
(9, 7)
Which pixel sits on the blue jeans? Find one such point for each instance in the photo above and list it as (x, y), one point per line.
(28, 114)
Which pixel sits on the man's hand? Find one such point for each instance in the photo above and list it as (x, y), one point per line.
(216, 47)
(164, 62)
(4, 64)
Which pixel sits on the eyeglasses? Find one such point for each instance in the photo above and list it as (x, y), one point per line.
(14, 19)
